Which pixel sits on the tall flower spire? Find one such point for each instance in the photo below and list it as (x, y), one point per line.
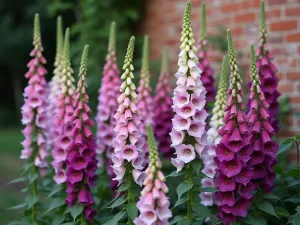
(81, 160)
(34, 118)
(216, 122)
(267, 71)
(62, 120)
(263, 158)
(153, 204)
(204, 64)
(107, 105)
(55, 83)
(188, 134)
(144, 100)
(234, 171)
(163, 112)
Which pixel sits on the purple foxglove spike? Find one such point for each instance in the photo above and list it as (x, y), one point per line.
(233, 153)
(34, 109)
(107, 106)
(264, 156)
(163, 112)
(153, 204)
(81, 160)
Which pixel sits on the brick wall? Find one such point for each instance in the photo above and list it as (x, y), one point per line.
(163, 19)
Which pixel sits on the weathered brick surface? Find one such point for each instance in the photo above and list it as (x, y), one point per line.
(163, 23)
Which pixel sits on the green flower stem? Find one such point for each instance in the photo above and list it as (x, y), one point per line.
(129, 191)
(190, 194)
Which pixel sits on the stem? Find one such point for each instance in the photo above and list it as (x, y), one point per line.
(298, 152)
(34, 192)
(129, 192)
(190, 194)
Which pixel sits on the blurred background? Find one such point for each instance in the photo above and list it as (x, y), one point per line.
(161, 20)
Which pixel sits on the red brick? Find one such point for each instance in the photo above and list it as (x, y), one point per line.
(273, 13)
(293, 37)
(285, 88)
(284, 25)
(292, 11)
(293, 75)
(274, 2)
(294, 100)
(244, 18)
(236, 31)
(231, 7)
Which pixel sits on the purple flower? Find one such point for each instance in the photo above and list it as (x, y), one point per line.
(34, 109)
(107, 104)
(80, 174)
(163, 112)
(234, 151)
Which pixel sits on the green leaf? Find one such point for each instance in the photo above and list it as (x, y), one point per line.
(197, 165)
(132, 210)
(294, 200)
(175, 174)
(31, 200)
(32, 177)
(57, 189)
(253, 221)
(57, 202)
(179, 202)
(182, 188)
(176, 219)
(118, 202)
(20, 206)
(281, 212)
(295, 182)
(271, 196)
(18, 180)
(76, 210)
(58, 219)
(115, 220)
(208, 189)
(202, 211)
(184, 222)
(69, 223)
(27, 166)
(266, 207)
(285, 145)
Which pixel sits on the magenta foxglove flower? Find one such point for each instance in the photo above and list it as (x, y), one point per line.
(234, 171)
(153, 204)
(216, 122)
(63, 122)
(188, 134)
(55, 85)
(128, 142)
(107, 106)
(34, 109)
(267, 72)
(144, 99)
(81, 160)
(204, 64)
(263, 158)
(163, 112)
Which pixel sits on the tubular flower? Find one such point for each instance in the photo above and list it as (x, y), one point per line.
(63, 118)
(34, 109)
(267, 72)
(234, 172)
(55, 83)
(188, 134)
(144, 99)
(163, 112)
(207, 74)
(81, 161)
(153, 204)
(107, 106)
(216, 122)
(263, 158)
(128, 155)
